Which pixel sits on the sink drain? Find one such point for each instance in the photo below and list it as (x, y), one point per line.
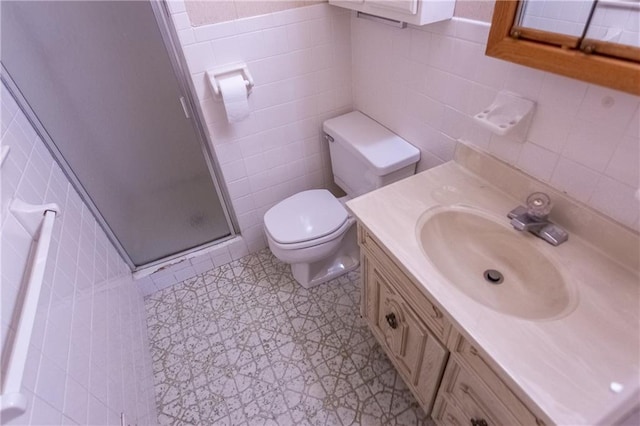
(492, 276)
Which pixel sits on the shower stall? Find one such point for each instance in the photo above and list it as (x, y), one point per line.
(105, 86)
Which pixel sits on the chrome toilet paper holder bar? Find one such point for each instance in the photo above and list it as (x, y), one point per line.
(214, 74)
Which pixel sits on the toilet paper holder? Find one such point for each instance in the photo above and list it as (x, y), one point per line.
(214, 74)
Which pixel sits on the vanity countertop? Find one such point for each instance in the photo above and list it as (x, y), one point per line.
(564, 366)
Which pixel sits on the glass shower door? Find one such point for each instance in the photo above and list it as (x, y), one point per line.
(100, 80)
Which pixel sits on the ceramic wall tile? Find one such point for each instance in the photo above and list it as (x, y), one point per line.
(70, 335)
(301, 62)
(581, 135)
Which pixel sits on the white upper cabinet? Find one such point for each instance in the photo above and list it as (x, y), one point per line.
(416, 12)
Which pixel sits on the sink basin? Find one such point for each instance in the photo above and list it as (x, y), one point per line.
(494, 264)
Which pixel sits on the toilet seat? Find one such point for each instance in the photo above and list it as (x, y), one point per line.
(306, 218)
(337, 234)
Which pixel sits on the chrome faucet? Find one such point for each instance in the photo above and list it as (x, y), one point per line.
(533, 218)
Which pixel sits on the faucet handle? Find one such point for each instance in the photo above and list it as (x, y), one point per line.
(538, 205)
(553, 234)
(518, 211)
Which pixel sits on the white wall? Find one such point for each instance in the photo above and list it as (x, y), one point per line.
(426, 83)
(301, 62)
(89, 356)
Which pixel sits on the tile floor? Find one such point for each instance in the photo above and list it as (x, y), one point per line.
(244, 344)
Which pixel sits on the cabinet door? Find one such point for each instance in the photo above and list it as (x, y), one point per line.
(447, 414)
(436, 322)
(417, 355)
(473, 397)
(410, 7)
(504, 407)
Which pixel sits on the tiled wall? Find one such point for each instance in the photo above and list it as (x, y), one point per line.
(422, 82)
(301, 62)
(212, 12)
(426, 83)
(479, 10)
(89, 359)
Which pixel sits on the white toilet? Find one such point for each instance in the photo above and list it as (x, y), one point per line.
(312, 230)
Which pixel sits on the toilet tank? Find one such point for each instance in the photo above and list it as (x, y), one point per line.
(366, 155)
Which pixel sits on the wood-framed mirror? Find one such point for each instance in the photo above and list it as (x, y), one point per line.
(578, 56)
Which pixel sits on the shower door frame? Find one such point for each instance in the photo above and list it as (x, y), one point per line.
(187, 90)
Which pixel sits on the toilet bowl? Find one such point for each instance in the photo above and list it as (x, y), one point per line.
(312, 230)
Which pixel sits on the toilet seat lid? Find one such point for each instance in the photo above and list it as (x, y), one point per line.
(305, 216)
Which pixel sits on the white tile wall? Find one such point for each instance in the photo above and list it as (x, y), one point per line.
(301, 62)
(89, 356)
(425, 83)
(583, 138)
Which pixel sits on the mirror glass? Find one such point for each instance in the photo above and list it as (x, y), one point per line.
(562, 17)
(616, 22)
(547, 35)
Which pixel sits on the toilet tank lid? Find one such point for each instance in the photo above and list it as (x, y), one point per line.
(365, 137)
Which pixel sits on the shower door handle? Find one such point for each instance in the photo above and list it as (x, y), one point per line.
(185, 107)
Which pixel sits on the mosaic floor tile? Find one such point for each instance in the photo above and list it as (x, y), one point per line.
(244, 344)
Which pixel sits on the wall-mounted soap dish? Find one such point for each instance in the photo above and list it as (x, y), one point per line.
(507, 112)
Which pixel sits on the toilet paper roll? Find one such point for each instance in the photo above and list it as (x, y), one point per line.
(235, 97)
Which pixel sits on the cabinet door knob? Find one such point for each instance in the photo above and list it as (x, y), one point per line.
(479, 422)
(391, 320)
(436, 312)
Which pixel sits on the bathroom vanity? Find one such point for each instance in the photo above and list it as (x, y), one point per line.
(555, 343)
(421, 341)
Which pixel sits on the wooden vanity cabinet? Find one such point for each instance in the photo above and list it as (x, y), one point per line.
(447, 375)
(470, 384)
(393, 317)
